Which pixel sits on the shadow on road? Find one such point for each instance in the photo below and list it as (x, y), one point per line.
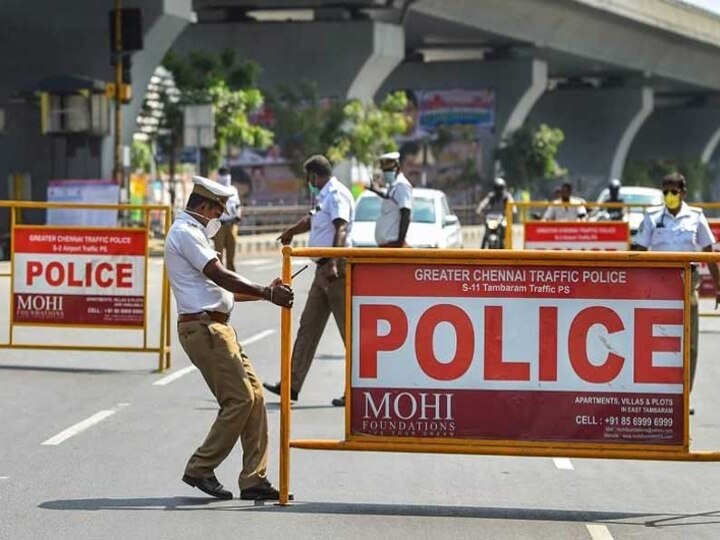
(643, 519)
(526, 514)
(51, 369)
(140, 503)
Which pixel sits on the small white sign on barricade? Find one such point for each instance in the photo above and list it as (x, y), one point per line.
(600, 235)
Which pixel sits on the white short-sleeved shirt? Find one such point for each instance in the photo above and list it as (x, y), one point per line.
(187, 252)
(686, 231)
(387, 226)
(333, 202)
(566, 213)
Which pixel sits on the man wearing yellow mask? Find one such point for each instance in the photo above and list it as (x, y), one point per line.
(679, 227)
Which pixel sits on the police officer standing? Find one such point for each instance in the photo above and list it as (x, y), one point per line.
(329, 223)
(679, 227)
(226, 237)
(205, 292)
(393, 222)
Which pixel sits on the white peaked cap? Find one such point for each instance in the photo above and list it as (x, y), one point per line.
(390, 156)
(212, 190)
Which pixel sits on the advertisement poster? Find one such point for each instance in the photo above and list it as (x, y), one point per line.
(86, 192)
(532, 353)
(71, 276)
(600, 236)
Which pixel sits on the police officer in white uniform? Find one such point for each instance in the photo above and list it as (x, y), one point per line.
(205, 292)
(393, 222)
(679, 227)
(330, 224)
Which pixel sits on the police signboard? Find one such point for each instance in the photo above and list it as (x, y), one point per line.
(589, 235)
(537, 353)
(79, 276)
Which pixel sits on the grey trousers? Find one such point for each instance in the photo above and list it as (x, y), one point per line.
(325, 297)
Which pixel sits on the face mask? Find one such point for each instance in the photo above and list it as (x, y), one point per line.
(314, 190)
(224, 179)
(211, 228)
(389, 177)
(672, 201)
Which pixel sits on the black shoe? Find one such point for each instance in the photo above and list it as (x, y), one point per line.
(275, 389)
(209, 485)
(262, 492)
(339, 402)
(692, 410)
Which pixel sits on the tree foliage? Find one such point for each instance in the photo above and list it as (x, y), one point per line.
(304, 124)
(369, 130)
(528, 154)
(228, 85)
(140, 156)
(650, 173)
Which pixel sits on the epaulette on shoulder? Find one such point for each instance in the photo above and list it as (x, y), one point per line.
(695, 209)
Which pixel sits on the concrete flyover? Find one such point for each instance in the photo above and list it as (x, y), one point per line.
(630, 66)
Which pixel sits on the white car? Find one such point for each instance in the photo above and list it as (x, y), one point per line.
(432, 223)
(636, 195)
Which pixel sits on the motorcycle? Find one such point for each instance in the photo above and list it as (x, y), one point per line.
(494, 237)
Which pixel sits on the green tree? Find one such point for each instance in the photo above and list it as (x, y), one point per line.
(140, 156)
(650, 173)
(528, 155)
(369, 130)
(228, 85)
(304, 124)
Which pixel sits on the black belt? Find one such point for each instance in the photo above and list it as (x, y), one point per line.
(215, 316)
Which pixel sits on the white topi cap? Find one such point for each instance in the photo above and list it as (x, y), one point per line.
(390, 156)
(214, 191)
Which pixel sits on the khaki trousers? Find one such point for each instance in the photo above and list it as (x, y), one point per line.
(214, 350)
(325, 297)
(225, 240)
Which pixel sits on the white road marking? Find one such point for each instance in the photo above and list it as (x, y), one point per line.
(4, 477)
(599, 532)
(174, 376)
(82, 426)
(563, 463)
(253, 262)
(189, 369)
(258, 337)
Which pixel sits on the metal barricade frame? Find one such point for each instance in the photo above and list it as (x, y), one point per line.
(163, 347)
(603, 450)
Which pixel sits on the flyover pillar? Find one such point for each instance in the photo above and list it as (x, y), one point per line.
(517, 84)
(673, 132)
(599, 124)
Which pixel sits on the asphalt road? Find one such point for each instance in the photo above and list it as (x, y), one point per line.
(120, 477)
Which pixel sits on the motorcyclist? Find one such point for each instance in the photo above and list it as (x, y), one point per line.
(496, 200)
(615, 214)
(495, 203)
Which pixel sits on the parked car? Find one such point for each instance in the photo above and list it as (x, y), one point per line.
(432, 223)
(636, 195)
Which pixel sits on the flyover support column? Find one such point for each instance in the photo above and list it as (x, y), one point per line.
(600, 125)
(517, 83)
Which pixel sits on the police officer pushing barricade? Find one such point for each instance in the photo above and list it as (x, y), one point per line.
(205, 292)
(330, 224)
(227, 234)
(679, 227)
(393, 222)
